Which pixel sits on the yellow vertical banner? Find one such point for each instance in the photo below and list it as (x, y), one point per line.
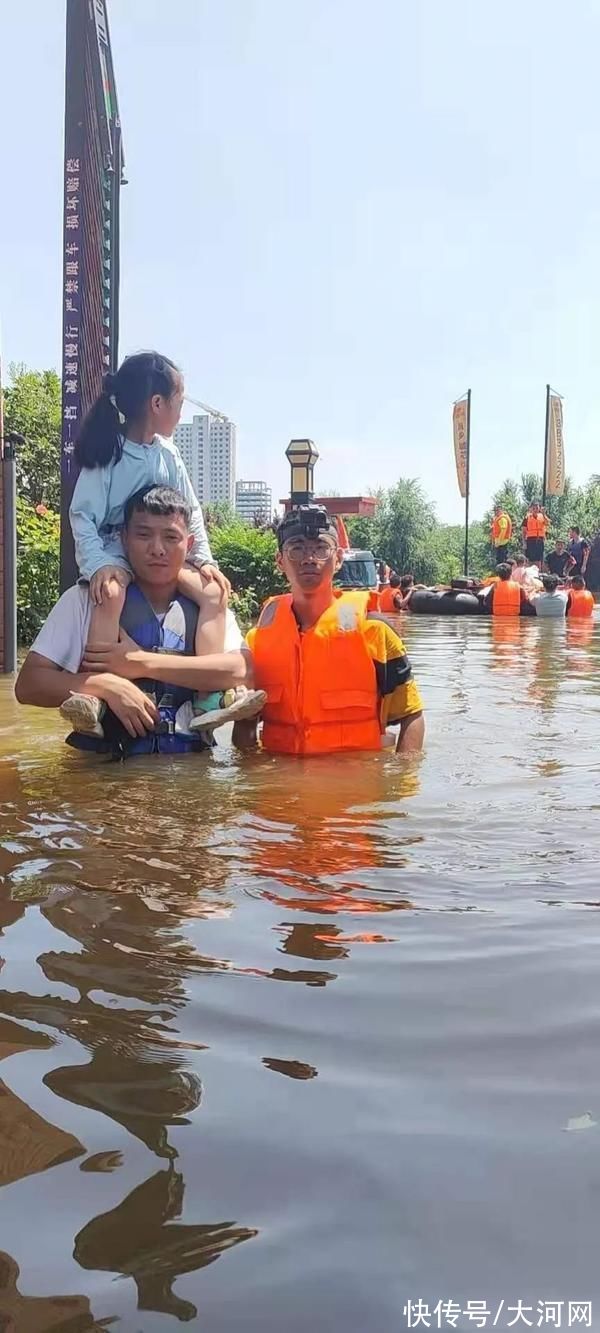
(555, 449)
(460, 426)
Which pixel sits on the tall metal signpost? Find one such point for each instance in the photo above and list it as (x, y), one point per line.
(93, 175)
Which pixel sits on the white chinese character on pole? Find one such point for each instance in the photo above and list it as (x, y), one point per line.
(70, 412)
(69, 305)
(550, 1312)
(580, 1312)
(72, 268)
(70, 367)
(72, 222)
(71, 349)
(71, 331)
(70, 386)
(417, 1312)
(72, 184)
(71, 249)
(72, 286)
(72, 203)
(72, 164)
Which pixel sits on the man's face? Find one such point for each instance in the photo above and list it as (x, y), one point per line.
(535, 509)
(560, 546)
(156, 546)
(309, 562)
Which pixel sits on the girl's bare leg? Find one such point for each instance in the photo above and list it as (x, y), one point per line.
(211, 710)
(84, 711)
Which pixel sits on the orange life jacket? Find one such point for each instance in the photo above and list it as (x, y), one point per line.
(501, 529)
(536, 525)
(581, 602)
(387, 597)
(321, 684)
(507, 598)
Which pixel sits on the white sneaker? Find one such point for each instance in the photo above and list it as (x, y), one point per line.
(83, 713)
(247, 703)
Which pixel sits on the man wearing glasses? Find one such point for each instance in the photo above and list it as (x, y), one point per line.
(335, 673)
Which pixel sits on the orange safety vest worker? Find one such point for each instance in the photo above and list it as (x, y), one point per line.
(536, 525)
(387, 600)
(321, 684)
(581, 602)
(507, 598)
(501, 529)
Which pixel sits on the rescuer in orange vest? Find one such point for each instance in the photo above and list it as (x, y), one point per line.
(336, 674)
(580, 602)
(501, 533)
(535, 530)
(390, 597)
(507, 598)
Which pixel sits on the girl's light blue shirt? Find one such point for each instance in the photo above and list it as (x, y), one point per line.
(100, 495)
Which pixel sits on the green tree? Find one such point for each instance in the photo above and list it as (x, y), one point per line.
(38, 542)
(32, 406)
(247, 556)
(404, 528)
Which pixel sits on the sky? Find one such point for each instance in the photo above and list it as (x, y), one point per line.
(340, 215)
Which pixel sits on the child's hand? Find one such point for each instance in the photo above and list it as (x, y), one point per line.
(108, 582)
(211, 574)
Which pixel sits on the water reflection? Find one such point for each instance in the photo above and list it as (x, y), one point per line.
(434, 1018)
(137, 1239)
(41, 1314)
(347, 829)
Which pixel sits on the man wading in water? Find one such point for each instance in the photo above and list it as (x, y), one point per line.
(157, 645)
(335, 675)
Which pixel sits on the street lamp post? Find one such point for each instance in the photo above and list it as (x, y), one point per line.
(302, 455)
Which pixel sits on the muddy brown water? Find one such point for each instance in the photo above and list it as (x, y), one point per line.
(288, 1045)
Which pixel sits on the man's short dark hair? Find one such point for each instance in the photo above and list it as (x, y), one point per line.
(574, 529)
(578, 581)
(160, 501)
(394, 580)
(407, 581)
(504, 571)
(550, 582)
(520, 561)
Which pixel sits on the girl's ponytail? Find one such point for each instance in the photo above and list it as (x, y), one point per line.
(124, 398)
(100, 440)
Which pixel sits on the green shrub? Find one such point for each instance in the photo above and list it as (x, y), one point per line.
(247, 556)
(38, 548)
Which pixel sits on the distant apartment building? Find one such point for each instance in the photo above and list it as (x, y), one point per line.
(207, 445)
(253, 501)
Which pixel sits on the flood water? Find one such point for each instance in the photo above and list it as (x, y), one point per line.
(287, 1045)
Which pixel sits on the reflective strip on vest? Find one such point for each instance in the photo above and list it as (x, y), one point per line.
(321, 684)
(507, 598)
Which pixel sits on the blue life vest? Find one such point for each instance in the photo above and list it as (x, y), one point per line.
(175, 633)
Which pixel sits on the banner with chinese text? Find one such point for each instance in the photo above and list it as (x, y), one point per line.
(555, 457)
(460, 426)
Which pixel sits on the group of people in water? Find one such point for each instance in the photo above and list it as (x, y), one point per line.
(144, 656)
(551, 585)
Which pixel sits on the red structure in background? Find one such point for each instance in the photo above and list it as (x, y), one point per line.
(346, 506)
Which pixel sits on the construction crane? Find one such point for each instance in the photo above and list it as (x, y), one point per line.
(212, 411)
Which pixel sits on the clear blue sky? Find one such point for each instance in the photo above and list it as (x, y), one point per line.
(340, 215)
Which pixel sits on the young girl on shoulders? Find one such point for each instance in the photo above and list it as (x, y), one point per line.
(125, 445)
